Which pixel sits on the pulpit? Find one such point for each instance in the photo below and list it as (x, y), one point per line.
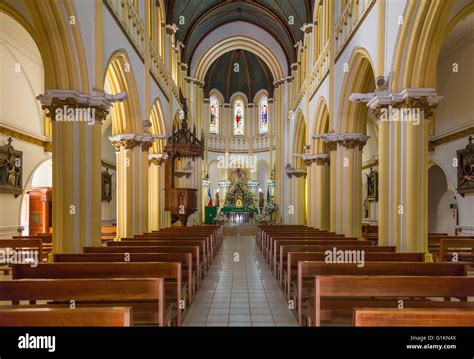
(181, 202)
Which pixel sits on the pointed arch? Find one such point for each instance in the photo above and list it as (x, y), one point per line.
(360, 78)
(61, 47)
(119, 77)
(299, 140)
(157, 125)
(321, 125)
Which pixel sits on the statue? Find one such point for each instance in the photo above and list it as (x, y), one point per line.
(261, 201)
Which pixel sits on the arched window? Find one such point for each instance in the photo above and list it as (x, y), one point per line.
(214, 115)
(239, 117)
(263, 115)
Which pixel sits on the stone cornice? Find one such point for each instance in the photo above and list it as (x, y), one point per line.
(42, 141)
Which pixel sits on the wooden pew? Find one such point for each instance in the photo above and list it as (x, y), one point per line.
(64, 317)
(284, 247)
(275, 255)
(92, 292)
(216, 233)
(293, 258)
(194, 250)
(346, 292)
(211, 245)
(184, 258)
(434, 244)
(409, 317)
(268, 246)
(18, 245)
(308, 270)
(462, 247)
(203, 250)
(268, 242)
(170, 272)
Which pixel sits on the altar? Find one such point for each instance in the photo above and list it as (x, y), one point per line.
(240, 215)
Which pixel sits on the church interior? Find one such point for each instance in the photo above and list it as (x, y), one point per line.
(262, 163)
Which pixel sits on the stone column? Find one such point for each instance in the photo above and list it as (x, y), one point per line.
(403, 166)
(352, 145)
(155, 192)
(76, 137)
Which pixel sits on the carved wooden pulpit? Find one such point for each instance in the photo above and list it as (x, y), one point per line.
(183, 143)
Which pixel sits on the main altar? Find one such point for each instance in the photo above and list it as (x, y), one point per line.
(239, 205)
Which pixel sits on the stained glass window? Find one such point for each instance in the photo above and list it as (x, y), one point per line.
(263, 115)
(214, 115)
(239, 117)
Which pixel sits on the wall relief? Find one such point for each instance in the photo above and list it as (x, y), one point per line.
(11, 170)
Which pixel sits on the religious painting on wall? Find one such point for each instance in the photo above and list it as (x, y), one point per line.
(239, 118)
(11, 170)
(466, 169)
(214, 115)
(106, 186)
(263, 115)
(372, 185)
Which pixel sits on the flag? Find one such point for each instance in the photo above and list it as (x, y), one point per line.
(209, 204)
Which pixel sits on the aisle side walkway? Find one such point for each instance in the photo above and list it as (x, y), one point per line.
(239, 290)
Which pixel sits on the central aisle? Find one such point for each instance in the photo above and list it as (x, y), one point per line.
(239, 293)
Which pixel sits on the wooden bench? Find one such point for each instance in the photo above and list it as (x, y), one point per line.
(189, 273)
(308, 270)
(92, 292)
(170, 272)
(203, 253)
(63, 317)
(194, 250)
(293, 258)
(434, 243)
(409, 317)
(19, 245)
(346, 292)
(463, 248)
(338, 243)
(285, 247)
(268, 243)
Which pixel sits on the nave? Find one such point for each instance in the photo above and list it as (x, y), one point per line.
(239, 290)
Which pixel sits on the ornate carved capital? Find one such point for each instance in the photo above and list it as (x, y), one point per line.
(146, 146)
(72, 106)
(321, 161)
(353, 140)
(155, 159)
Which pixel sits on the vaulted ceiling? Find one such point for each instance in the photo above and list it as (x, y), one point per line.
(238, 70)
(281, 18)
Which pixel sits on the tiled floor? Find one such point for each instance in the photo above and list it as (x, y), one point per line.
(239, 290)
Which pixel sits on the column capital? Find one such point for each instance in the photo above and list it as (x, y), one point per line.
(353, 140)
(73, 106)
(382, 103)
(291, 171)
(348, 140)
(155, 159)
(310, 158)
